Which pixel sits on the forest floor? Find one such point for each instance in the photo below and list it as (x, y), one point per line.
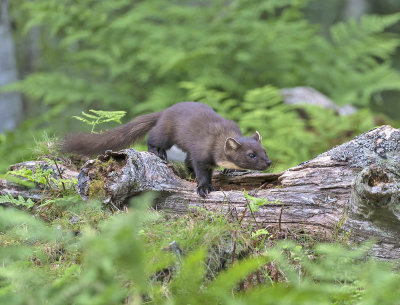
(64, 250)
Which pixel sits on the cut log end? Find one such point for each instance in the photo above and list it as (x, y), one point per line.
(375, 188)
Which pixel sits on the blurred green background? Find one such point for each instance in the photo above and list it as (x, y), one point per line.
(61, 57)
(236, 56)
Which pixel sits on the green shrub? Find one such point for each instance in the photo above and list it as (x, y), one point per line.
(132, 55)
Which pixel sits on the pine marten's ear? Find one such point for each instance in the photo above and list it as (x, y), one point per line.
(231, 144)
(257, 137)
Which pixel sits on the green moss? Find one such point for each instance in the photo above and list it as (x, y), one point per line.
(96, 190)
(103, 165)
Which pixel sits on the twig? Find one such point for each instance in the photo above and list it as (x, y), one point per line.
(241, 218)
(60, 174)
(113, 205)
(49, 185)
(230, 210)
(236, 236)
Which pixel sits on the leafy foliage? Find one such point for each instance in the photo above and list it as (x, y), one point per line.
(255, 203)
(14, 148)
(100, 116)
(46, 177)
(20, 201)
(121, 51)
(143, 56)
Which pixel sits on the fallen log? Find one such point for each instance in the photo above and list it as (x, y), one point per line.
(352, 189)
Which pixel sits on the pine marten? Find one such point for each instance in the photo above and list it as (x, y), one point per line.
(208, 140)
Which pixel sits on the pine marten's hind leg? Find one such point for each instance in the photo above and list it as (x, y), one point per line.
(189, 165)
(158, 145)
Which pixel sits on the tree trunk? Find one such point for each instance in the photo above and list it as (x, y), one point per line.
(10, 103)
(352, 190)
(355, 9)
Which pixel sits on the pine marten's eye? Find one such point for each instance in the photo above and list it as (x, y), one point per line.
(251, 155)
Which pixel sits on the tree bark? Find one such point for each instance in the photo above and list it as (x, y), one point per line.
(351, 191)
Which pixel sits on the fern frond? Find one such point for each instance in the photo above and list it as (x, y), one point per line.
(20, 201)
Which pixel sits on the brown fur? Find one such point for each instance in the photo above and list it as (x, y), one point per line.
(208, 139)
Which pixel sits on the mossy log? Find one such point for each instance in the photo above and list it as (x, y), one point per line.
(352, 190)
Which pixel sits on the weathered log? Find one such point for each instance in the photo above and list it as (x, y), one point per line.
(352, 189)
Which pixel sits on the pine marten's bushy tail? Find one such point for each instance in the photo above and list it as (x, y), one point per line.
(90, 143)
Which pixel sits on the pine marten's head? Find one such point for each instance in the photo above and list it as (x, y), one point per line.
(245, 153)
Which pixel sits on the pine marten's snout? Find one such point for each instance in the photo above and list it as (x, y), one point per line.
(263, 161)
(268, 163)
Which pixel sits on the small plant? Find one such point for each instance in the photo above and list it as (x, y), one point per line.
(39, 175)
(20, 201)
(263, 234)
(255, 203)
(100, 117)
(47, 178)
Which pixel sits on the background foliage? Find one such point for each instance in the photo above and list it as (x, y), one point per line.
(142, 56)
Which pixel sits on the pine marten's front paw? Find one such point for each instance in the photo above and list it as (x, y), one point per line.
(204, 190)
